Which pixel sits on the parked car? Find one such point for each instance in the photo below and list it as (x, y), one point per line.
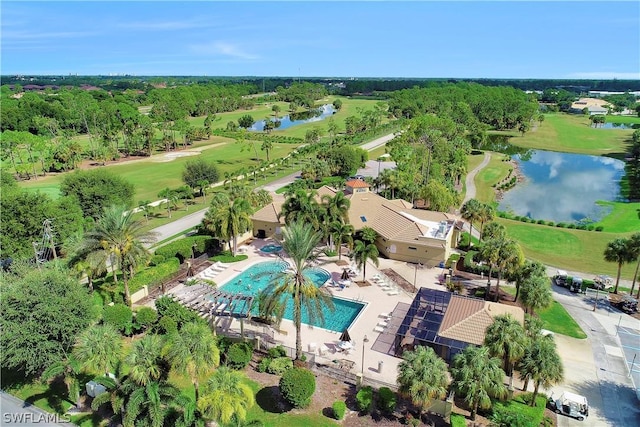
(570, 404)
(603, 282)
(625, 303)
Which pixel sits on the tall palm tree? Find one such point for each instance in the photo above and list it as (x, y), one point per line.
(470, 211)
(120, 235)
(505, 338)
(226, 397)
(363, 252)
(228, 220)
(487, 213)
(300, 241)
(502, 255)
(542, 364)
(149, 404)
(477, 377)
(634, 248)
(99, 348)
(302, 207)
(422, 376)
(341, 233)
(193, 351)
(146, 361)
(618, 251)
(536, 293)
(526, 272)
(494, 230)
(69, 370)
(336, 206)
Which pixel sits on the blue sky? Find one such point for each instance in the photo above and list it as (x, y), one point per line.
(354, 39)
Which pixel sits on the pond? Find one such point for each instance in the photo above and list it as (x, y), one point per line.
(616, 126)
(294, 119)
(564, 187)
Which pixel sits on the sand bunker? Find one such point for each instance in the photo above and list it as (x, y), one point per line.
(168, 157)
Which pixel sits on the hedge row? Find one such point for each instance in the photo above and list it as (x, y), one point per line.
(154, 276)
(260, 136)
(182, 248)
(587, 227)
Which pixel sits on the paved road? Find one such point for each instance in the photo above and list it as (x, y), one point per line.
(16, 412)
(470, 183)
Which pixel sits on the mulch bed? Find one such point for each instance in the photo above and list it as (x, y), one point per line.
(362, 283)
(399, 280)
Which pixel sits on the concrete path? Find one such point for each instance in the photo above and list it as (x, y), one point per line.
(471, 176)
(17, 412)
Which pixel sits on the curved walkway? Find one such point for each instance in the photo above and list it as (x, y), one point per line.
(470, 180)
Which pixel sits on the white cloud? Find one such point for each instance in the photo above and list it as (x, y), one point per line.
(604, 75)
(222, 49)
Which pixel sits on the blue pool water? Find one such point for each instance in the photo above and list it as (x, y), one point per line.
(259, 276)
(271, 248)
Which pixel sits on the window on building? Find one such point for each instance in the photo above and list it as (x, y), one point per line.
(363, 218)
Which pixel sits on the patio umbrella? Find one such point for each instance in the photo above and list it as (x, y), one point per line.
(345, 275)
(345, 336)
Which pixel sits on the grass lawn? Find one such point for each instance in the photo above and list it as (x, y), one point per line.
(266, 410)
(556, 319)
(622, 219)
(623, 119)
(150, 176)
(574, 250)
(491, 174)
(572, 133)
(533, 413)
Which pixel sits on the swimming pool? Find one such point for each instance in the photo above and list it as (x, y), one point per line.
(258, 276)
(271, 248)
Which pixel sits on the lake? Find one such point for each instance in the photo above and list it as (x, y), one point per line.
(563, 187)
(294, 119)
(616, 126)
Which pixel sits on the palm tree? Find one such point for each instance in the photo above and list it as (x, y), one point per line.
(633, 244)
(505, 338)
(470, 211)
(302, 207)
(536, 293)
(478, 377)
(148, 404)
(226, 397)
(618, 251)
(144, 206)
(123, 238)
(99, 348)
(542, 364)
(342, 233)
(364, 252)
(494, 230)
(526, 272)
(146, 362)
(422, 376)
(68, 370)
(228, 220)
(486, 214)
(502, 255)
(193, 351)
(300, 241)
(337, 207)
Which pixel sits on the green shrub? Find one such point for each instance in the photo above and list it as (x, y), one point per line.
(224, 343)
(263, 365)
(571, 226)
(280, 365)
(551, 223)
(278, 351)
(540, 221)
(145, 317)
(167, 325)
(154, 276)
(297, 385)
(330, 252)
(227, 257)
(339, 408)
(167, 307)
(156, 260)
(185, 248)
(504, 417)
(238, 356)
(364, 399)
(591, 227)
(386, 400)
(120, 316)
(561, 225)
(599, 228)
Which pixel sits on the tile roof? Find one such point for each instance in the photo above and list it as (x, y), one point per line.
(356, 183)
(270, 212)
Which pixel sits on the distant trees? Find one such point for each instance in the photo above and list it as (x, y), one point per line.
(246, 121)
(96, 190)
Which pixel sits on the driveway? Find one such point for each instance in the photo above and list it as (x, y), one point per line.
(16, 412)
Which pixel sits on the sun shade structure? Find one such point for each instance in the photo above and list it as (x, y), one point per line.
(448, 323)
(211, 301)
(345, 337)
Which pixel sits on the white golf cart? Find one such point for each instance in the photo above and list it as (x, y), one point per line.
(570, 404)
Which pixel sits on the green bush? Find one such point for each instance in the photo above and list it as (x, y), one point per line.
(263, 365)
(227, 257)
(339, 408)
(561, 225)
(169, 308)
(238, 356)
(599, 228)
(167, 325)
(364, 399)
(145, 317)
(504, 417)
(154, 276)
(156, 260)
(551, 223)
(591, 227)
(280, 365)
(120, 316)
(571, 226)
(540, 221)
(184, 248)
(278, 351)
(297, 385)
(386, 400)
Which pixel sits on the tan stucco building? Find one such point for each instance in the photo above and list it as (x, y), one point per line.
(404, 233)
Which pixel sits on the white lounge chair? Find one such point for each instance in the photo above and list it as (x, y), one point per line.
(384, 315)
(394, 292)
(378, 329)
(384, 323)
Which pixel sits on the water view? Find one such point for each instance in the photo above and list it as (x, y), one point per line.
(616, 126)
(294, 119)
(564, 187)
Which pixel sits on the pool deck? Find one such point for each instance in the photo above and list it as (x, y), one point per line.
(378, 348)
